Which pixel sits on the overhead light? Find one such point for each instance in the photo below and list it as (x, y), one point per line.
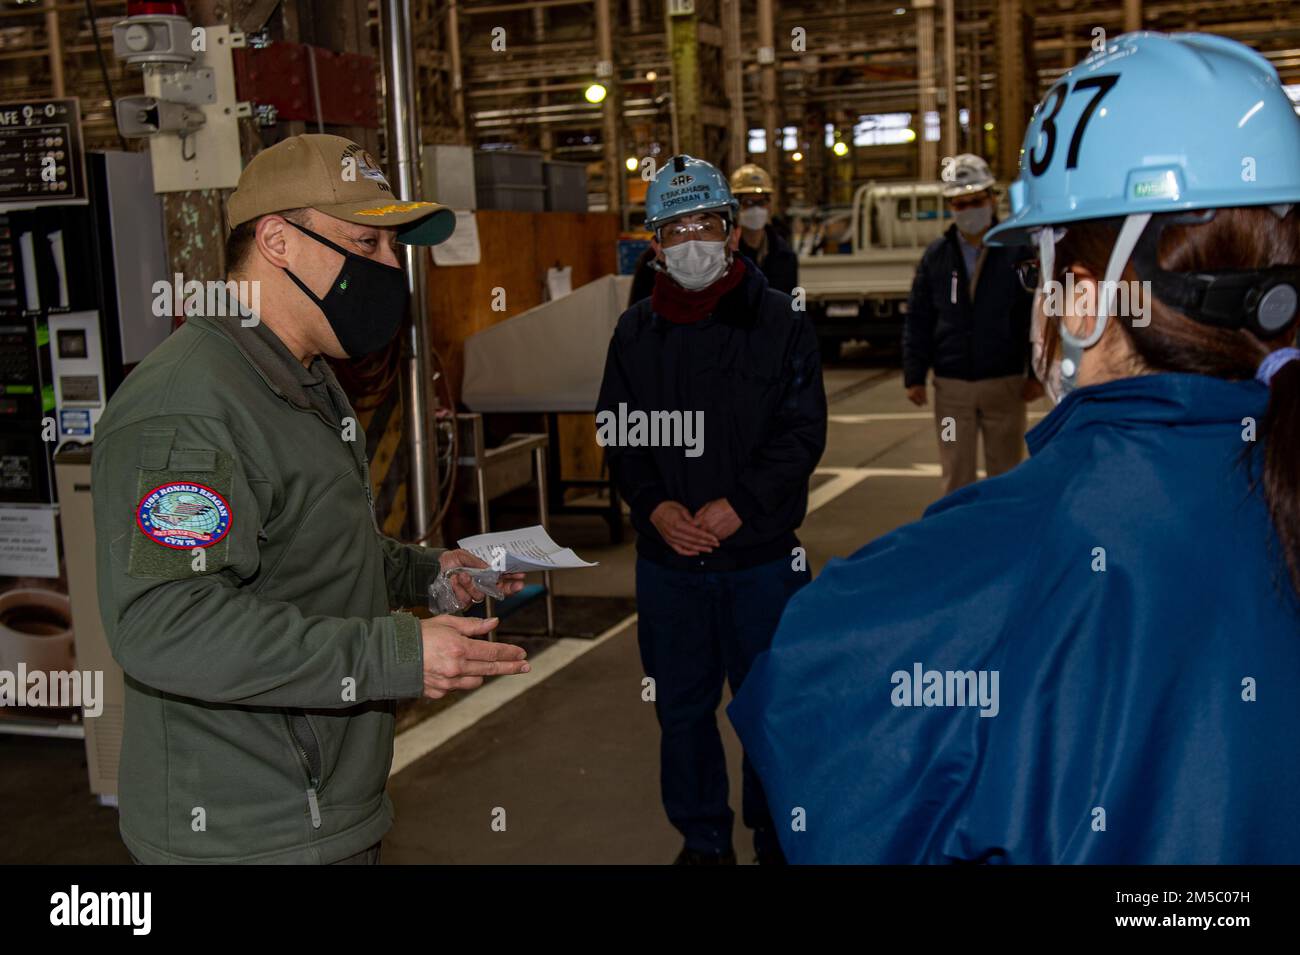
(631, 164)
(651, 75)
(595, 93)
(988, 127)
(899, 11)
(797, 157)
(841, 148)
(909, 135)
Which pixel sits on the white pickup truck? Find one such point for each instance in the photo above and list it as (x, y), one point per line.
(863, 293)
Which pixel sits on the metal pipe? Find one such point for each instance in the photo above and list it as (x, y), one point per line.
(977, 137)
(54, 43)
(403, 160)
(927, 165)
(950, 78)
(529, 91)
(571, 122)
(531, 5)
(682, 33)
(735, 82)
(457, 73)
(1011, 87)
(610, 108)
(1132, 15)
(767, 95)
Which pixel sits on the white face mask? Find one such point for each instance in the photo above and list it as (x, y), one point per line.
(974, 221)
(753, 218)
(696, 263)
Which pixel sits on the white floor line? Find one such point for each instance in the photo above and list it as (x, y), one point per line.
(423, 738)
(842, 479)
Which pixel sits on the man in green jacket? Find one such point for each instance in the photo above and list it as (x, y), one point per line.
(245, 587)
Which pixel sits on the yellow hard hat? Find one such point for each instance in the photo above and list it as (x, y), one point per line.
(752, 180)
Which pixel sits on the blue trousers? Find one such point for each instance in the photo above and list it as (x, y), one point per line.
(695, 629)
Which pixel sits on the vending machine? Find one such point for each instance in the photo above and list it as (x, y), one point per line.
(81, 248)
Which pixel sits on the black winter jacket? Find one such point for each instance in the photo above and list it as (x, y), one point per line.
(957, 338)
(753, 369)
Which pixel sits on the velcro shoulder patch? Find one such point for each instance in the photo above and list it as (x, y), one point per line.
(183, 515)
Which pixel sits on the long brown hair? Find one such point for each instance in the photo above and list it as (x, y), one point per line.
(1241, 238)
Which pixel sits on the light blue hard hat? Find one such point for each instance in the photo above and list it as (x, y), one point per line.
(685, 185)
(1156, 123)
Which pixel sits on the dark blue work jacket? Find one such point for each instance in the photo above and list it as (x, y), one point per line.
(1125, 586)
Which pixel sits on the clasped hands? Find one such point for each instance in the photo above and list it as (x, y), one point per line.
(693, 534)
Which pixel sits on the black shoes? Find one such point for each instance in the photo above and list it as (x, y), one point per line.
(693, 857)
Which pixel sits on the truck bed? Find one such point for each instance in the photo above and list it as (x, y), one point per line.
(882, 272)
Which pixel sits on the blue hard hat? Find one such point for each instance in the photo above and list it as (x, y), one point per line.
(1156, 123)
(685, 185)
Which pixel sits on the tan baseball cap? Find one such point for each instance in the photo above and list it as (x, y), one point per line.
(338, 177)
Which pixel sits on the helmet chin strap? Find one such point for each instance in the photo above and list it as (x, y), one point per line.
(1073, 347)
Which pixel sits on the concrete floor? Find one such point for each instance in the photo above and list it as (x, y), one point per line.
(572, 759)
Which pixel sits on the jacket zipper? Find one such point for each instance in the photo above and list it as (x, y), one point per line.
(313, 774)
(370, 497)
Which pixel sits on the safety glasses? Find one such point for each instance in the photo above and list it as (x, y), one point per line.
(709, 228)
(1029, 272)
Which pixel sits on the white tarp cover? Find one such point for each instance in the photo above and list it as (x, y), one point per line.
(549, 358)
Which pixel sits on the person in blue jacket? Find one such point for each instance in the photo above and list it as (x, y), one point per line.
(1092, 658)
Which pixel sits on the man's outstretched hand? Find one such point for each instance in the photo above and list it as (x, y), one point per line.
(454, 660)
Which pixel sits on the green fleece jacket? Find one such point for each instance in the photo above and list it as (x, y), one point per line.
(246, 592)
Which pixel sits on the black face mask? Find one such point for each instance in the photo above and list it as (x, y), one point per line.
(366, 301)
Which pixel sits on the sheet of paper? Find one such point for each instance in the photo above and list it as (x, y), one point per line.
(528, 548)
(559, 281)
(27, 541)
(462, 248)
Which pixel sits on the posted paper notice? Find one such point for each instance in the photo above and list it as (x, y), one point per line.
(27, 541)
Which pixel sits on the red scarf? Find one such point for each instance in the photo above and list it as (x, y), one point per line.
(683, 306)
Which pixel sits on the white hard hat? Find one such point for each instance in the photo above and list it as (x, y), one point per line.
(965, 174)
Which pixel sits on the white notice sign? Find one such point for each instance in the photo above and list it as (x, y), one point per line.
(462, 248)
(27, 542)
